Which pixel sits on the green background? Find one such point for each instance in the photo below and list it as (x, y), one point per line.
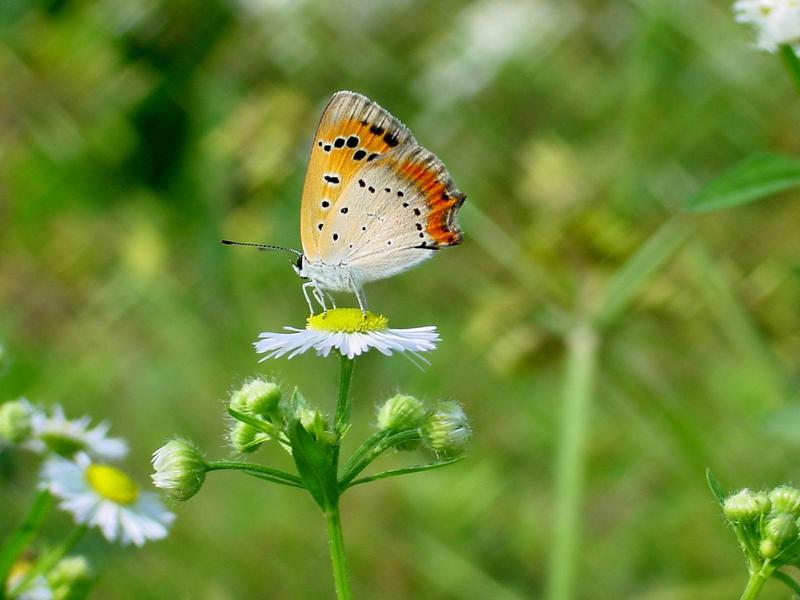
(135, 135)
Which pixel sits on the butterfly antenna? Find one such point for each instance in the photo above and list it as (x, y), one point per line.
(262, 247)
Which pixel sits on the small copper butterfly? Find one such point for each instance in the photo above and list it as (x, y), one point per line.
(375, 203)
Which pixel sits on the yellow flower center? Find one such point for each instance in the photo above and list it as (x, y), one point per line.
(347, 320)
(112, 484)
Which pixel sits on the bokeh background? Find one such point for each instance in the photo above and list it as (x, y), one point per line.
(134, 135)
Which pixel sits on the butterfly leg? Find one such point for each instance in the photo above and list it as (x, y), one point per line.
(333, 302)
(320, 297)
(305, 295)
(360, 296)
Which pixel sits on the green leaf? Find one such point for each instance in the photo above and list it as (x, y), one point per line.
(405, 471)
(715, 487)
(315, 461)
(754, 178)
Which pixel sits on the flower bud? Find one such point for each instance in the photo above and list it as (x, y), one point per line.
(768, 548)
(762, 499)
(315, 423)
(257, 397)
(71, 578)
(785, 499)
(742, 506)
(781, 528)
(446, 431)
(401, 413)
(15, 421)
(246, 438)
(180, 469)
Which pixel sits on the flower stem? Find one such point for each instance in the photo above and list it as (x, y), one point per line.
(343, 406)
(22, 536)
(571, 460)
(757, 580)
(274, 475)
(49, 560)
(336, 547)
(792, 63)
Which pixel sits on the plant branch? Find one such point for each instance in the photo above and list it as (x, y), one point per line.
(582, 346)
(23, 535)
(267, 473)
(792, 63)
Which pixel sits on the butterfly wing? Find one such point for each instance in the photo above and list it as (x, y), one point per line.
(396, 212)
(353, 132)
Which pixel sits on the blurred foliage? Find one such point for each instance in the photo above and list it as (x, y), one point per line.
(135, 135)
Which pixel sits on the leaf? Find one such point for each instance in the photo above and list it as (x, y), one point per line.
(405, 471)
(715, 487)
(752, 179)
(315, 461)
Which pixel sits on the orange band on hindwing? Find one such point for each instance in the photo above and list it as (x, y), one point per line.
(441, 198)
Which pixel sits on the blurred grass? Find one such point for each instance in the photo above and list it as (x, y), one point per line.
(133, 136)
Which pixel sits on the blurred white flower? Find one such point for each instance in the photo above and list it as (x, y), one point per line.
(776, 22)
(105, 497)
(35, 590)
(349, 332)
(66, 437)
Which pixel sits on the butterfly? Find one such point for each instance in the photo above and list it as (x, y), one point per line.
(375, 203)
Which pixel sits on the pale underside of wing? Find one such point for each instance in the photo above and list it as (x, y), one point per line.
(395, 213)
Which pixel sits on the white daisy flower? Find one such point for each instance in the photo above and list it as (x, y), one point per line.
(348, 331)
(35, 590)
(776, 22)
(56, 433)
(105, 497)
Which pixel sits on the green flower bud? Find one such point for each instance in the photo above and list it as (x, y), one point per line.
(246, 438)
(401, 413)
(71, 578)
(768, 548)
(785, 499)
(446, 431)
(742, 506)
(257, 397)
(781, 528)
(315, 423)
(762, 499)
(15, 421)
(180, 469)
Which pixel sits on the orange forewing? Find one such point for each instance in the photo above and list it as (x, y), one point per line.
(352, 132)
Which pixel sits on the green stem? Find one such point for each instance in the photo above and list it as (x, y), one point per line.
(274, 475)
(756, 582)
(49, 560)
(789, 581)
(571, 461)
(371, 450)
(336, 547)
(22, 536)
(792, 63)
(343, 405)
(622, 288)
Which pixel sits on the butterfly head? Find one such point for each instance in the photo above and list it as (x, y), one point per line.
(299, 267)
